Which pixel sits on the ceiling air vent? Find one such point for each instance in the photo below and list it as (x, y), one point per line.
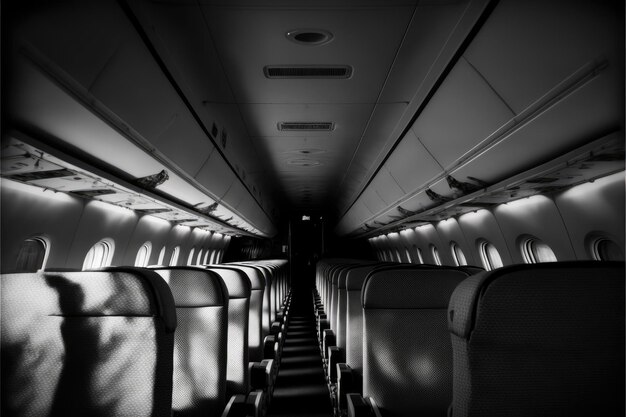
(308, 71)
(306, 126)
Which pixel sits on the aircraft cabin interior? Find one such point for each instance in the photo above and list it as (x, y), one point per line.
(348, 208)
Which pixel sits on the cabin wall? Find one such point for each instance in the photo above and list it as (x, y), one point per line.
(567, 222)
(539, 217)
(594, 209)
(73, 225)
(450, 231)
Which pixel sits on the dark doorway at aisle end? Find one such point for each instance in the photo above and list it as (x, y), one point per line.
(306, 247)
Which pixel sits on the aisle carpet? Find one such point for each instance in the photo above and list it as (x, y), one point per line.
(300, 388)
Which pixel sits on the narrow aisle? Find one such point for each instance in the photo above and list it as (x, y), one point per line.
(300, 388)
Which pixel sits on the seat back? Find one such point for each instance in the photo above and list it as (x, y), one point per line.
(333, 296)
(542, 339)
(239, 290)
(354, 315)
(87, 343)
(255, 324)
(407, 353)
(201, 300)
(342, 302)
(271, 287)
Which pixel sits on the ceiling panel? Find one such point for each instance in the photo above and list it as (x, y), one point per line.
(249, 39)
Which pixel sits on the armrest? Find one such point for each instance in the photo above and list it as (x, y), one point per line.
(256, 404)
(275, 328)
(322, 324)
(347, 383)
(280, 340)
(236, 407)
(362, 407)
(336, 355)
(328, 339)
(261, 374)
(269, 347)
(280, 316)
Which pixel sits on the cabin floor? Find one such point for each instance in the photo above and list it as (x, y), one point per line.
(300, 388)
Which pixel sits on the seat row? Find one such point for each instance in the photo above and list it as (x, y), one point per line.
(405, 339)
(123, 341)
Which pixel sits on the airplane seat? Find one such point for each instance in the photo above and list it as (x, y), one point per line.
(238, 370)
(539, 339)
(201, 300)
(349, 375)
(255, 325)
(239, 290)
(87, 343)
(336, 353)
(352, 369)
(329, 335)
(269, 284)
(407, 353)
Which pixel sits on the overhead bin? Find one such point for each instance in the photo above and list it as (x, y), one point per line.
(490, 119)
(124, 86)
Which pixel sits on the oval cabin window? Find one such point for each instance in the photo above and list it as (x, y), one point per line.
(535, 251)
(161, 256)
(190, 257)
(143, 255)
(100, 255)
(457, 254)
(174, 257)
(490, 256)
(435, 253)
(32, 255)
(604, 249)
(420, 258)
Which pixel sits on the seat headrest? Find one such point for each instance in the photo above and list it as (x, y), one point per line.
(342, 282)
(237, 282)
(195, 287)
(343, 277)
(163, 294)
(112, 292)
(256, 277)
(356, 277)
(410, 287)
(518, 287)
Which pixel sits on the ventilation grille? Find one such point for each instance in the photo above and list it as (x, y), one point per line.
(303, 71)
(306, 126)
